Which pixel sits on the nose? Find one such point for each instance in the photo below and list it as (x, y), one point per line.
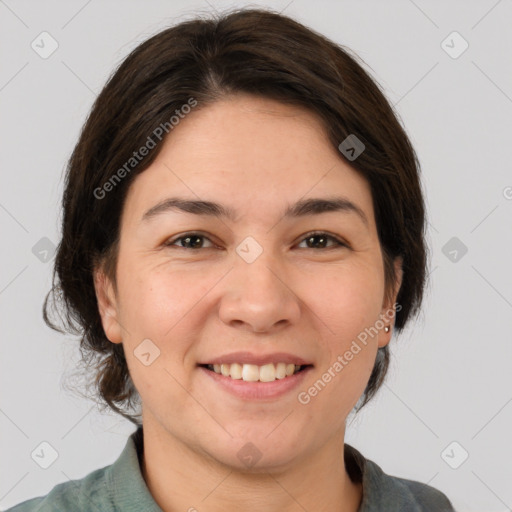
(258, 297)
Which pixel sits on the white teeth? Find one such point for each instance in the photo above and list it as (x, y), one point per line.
(290, 368)
(280, 370)
(250, 373)
(268, 373)
(253, 373)
(235, 371)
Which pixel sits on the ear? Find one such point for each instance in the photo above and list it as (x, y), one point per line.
(388, 312)
(107, 305)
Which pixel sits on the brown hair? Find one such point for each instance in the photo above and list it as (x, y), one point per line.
(250, 51)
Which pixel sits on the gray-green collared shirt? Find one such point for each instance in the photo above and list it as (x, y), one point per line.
(121, 487)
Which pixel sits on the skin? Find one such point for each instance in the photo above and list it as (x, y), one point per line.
(256, 156)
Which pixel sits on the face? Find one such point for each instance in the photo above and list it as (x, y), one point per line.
(257, 280)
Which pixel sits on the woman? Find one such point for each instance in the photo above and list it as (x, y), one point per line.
(242, 234)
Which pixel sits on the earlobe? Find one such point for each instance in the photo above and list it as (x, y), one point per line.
(389, 311)
(107, 306)
(386, 332)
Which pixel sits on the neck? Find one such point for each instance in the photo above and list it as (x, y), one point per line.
(182, 479)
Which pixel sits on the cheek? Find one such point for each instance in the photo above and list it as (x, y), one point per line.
(157, 299)
(157, 313)
(348, 307)
(347, 301)
(167, 307)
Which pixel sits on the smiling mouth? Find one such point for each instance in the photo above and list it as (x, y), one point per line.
(254, 373)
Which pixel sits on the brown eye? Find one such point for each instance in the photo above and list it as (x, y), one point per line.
(319, 240)
(189, 241)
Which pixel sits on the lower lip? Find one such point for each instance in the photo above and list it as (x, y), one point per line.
(258, 390)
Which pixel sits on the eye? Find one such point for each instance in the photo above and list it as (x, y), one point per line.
(190, 241)
(314, 240)
(319, 239)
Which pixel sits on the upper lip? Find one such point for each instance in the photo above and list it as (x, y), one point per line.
(257, 359)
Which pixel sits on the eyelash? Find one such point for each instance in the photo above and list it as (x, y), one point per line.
(336, 240)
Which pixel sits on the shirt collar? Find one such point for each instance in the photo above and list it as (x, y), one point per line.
(127, 488)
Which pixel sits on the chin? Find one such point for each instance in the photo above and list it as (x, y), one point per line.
(258, 452)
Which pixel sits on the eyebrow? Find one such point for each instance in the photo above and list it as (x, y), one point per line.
(303, 207)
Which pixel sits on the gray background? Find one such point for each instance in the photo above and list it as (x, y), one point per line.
(450, 378)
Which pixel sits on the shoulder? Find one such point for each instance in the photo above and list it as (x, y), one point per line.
(119, 486)
(88, 493)
(385, 492)
(408, 495)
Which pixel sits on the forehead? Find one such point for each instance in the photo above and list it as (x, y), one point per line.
(251, 154)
